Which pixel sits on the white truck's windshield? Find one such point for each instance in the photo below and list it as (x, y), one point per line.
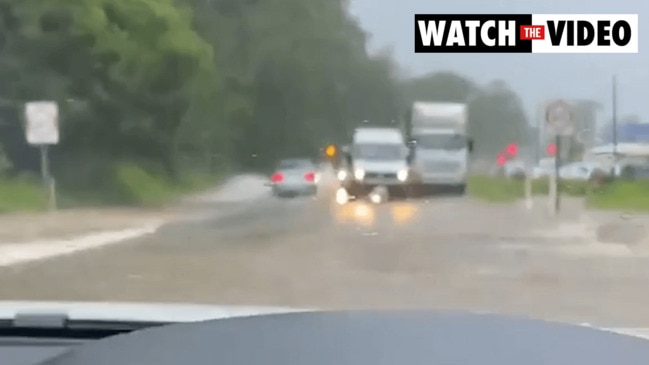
(378, 151)
(441, 141)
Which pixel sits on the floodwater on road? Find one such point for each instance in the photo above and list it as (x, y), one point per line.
(439, 252)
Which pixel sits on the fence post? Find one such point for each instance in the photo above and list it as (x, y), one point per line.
(528, 188)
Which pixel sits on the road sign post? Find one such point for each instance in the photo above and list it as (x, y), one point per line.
(557, 175)
(559, 121)
(42, 130)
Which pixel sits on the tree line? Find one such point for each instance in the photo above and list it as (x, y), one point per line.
(217, 84)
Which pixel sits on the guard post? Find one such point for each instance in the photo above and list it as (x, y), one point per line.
(42, 130)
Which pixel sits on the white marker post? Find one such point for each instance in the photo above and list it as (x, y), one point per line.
(552, 194)
(42, 129)
(559, 121)
(529, 172)
(528, 187)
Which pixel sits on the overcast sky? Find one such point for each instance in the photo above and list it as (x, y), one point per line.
(534, 76)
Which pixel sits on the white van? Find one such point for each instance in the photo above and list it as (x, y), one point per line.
(376, 157)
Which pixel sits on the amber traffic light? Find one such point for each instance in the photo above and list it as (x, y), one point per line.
(330, 151)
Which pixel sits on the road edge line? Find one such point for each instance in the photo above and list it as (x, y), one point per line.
(20, 253)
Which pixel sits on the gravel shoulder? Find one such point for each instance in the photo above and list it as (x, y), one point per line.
(15, 228)
(69, 223)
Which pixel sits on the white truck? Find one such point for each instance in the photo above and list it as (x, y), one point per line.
(437, 134)
(376, 159)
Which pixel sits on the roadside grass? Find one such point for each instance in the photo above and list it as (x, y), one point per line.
(495, 190)
(621, 195)
(615, 195)
(123, 185)
(132, 185)
(21, 194)
(141, 187)
(503, 190)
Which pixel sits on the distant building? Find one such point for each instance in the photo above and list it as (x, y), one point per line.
(627, 133)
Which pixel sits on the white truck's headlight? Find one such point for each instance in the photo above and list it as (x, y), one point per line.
(359, 174)
(342, 175)
(402, 175)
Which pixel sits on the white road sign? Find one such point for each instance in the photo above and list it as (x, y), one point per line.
(42, 122)
(558, 117)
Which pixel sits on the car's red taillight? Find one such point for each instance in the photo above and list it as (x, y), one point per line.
(309, 176)
(277, 177)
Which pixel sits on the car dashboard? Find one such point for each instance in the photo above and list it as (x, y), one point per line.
(326, 338)
(39, 339)
(21, 351)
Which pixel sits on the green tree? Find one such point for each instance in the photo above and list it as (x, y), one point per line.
(497, 118)
(169, 84)
(125, 72)
(296, 73)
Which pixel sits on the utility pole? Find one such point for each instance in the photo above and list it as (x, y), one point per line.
(614, 116)
(614, 112)
(538, 135)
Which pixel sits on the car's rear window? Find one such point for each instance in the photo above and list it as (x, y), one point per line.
(295, 164)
